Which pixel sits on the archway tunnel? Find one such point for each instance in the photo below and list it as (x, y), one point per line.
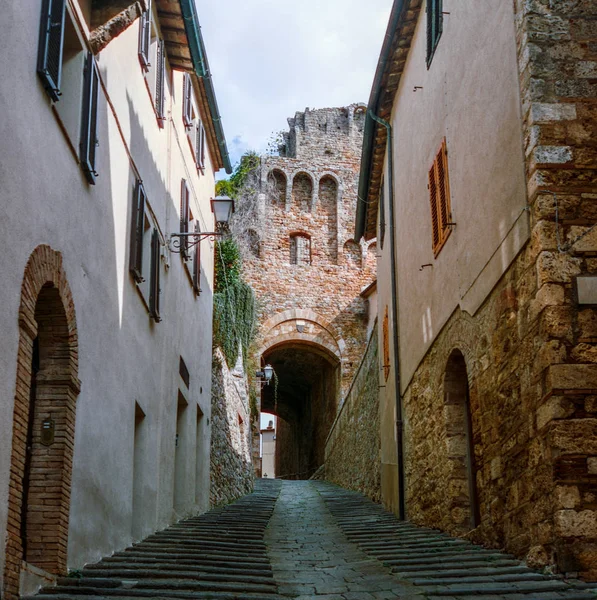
(305, 401)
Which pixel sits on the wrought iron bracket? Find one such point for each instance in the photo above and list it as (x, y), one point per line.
(178, 242)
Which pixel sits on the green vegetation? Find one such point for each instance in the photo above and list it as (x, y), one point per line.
(235, 314)
(234, 186)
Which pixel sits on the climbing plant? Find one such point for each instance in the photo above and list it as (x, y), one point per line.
(235, 314)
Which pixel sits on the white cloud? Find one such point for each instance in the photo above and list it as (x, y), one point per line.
(271, 58)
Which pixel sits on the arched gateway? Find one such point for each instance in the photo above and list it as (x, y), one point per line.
(44, 422)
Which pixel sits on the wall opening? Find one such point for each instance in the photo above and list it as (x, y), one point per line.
(352, 254)
(464, 505)
(180, 458)
(139, 473)
(328, 206)
(300, 249)
(199, 458)
(302, 192)
(278, 181)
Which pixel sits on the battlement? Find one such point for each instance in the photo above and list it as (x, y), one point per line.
(324, 131)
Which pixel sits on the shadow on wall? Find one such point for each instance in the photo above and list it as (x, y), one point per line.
(232, 473)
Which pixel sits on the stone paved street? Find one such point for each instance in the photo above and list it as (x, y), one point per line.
(308, 540)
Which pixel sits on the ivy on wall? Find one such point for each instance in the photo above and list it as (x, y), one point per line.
(235, 315)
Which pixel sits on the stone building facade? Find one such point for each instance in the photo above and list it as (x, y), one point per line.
(106, 355)
(494, 395)
(308, 273)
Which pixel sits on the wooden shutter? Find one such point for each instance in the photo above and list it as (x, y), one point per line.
(184, 218)
(187, 105)
(382, 213)
(89, 142)
(198, 128)
(197, 264)
(439, 199)
(202, 153)
(386, 344)
(435, 22)
(51, 41)
(160, 83)
(145, 37)
(154, 281)
(137, 230)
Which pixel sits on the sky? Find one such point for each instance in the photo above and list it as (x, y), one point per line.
(272, 58)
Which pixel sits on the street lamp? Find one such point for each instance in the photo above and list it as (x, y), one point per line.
(266, 374)
(222, 207)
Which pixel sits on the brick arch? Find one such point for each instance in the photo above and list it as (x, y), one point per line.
(314, 188)
(303, 315)
(47, 321)
(280, 180)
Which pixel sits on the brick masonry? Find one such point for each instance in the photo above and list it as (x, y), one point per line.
(311, 189)
(353, 448)
(47, 313)
(530, 350)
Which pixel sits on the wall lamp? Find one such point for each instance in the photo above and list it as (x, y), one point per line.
(222, 207)
(266, 374)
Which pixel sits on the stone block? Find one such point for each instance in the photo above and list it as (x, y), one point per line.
(556, 407)
(574, 436)
(552, 154)
(542, 112)
(592, 465)
(570, 523)
(571, 377)
(567, 496)
(557, 268)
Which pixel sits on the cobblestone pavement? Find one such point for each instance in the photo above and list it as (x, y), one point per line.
(308, 540)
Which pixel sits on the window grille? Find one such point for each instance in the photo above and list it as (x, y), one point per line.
(300, 249)
(435, 22)
(439, 199)
(51, 41)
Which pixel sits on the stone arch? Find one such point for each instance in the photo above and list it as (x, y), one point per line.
(303, 186)
(289, 318)
(328, 208)
(353, 256)
(47, 386)
(279, 182)
(462, 486)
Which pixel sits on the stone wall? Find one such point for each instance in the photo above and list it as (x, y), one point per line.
(231, 466)
(353, 447)
(529, 351)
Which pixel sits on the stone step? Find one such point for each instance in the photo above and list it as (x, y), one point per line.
(416, 564)
(205, 572)
(497, 588)
(183, 559)
(467, 571)
(213, 556)
(440, 579)
(413, 546)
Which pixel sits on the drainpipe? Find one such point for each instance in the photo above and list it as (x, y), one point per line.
(396, 334)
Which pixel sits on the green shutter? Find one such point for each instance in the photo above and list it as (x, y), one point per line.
(89, 141)
(51, 41)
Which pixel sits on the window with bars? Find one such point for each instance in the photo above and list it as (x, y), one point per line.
(300, 249)
(185, 217)
(435, 22)
(439, 198)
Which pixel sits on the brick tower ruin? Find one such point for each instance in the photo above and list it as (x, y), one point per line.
(308, 274)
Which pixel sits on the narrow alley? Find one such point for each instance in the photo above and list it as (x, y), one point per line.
(308, 539)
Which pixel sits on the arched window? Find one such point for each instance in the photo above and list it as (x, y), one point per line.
(300, 249)
(302, 192)
(277, 180)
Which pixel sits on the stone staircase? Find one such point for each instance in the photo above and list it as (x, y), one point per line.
(220, 555)
(439, 565)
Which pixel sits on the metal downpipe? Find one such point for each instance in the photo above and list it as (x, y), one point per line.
(396, 335)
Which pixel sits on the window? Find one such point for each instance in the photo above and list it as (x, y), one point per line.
(382, 213)
(51, 38)
(197, 263)
(153, 60)
(439, 198)
(193, 123)
(185, 217)
(386, 344)
(300, 249)
(145, 37)
(145, 250)
(89, 141)
(435, 22)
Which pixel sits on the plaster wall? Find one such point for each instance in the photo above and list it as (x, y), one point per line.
(268, 464)
(470, 96)
(124, 357)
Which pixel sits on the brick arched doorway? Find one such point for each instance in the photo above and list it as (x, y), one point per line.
(464, 505)
(44, 422)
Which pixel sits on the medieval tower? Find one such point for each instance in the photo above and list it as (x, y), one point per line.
(308, 274)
